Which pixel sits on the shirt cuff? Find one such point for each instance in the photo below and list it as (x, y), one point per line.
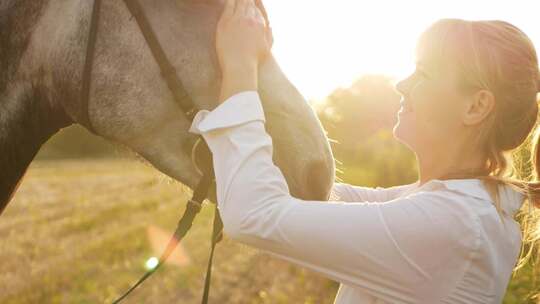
(236, 110)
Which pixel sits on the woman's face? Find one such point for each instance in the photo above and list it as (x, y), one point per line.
(430, 110)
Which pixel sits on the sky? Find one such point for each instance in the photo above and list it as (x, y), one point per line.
(323, 45)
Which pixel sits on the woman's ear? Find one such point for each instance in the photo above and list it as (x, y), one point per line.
(478, 106)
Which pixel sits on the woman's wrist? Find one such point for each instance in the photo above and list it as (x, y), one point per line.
(238, 79)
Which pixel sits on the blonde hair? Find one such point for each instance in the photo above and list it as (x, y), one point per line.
(497, 56)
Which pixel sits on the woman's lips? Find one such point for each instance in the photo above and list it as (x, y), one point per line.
(406, 106)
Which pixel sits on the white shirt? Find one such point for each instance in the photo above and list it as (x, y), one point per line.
(442, 242)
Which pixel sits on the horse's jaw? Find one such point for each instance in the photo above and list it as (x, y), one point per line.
(169, 150)
(300, 148)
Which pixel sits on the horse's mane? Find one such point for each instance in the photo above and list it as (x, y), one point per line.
(17, 21)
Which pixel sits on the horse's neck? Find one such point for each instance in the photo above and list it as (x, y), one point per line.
(27, 121)
(17, 21)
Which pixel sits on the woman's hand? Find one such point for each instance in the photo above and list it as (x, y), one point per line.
(243, 40)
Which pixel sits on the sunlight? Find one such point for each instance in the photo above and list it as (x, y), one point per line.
(151, 263)
(322, 45)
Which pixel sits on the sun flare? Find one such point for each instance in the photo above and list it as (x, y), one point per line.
(322, 45)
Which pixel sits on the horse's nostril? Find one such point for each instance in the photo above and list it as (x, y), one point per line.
(317, 181)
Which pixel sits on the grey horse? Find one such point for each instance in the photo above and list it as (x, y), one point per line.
(42, 53)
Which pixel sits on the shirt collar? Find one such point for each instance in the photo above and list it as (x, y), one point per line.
(511, 200)
(470, 186)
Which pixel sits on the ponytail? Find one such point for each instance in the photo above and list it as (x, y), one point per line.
(529, 214)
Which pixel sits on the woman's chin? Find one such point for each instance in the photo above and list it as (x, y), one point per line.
(401, 133)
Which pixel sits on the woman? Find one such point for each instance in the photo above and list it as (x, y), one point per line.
(447, 238)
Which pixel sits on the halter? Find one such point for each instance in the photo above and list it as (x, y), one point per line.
(201, 155)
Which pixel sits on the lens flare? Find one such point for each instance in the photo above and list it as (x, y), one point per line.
(151, 263)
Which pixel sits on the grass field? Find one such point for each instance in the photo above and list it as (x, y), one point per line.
(77, 232)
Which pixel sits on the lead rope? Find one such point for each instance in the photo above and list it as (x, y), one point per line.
(192, 209)
(217, 235)
(183, 99)
(194, 205)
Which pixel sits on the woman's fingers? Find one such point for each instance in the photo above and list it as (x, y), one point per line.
(262, 14)
(250, 12)
(241, 8)
(269, 37)
(257, 14)
(262, 11)
(245, 9)
(228, 11)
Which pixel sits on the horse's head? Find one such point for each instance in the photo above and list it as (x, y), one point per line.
(131, 104)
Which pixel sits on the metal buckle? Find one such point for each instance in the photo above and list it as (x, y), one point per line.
(191, 112)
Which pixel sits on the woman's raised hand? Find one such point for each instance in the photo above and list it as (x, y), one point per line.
(243, 39)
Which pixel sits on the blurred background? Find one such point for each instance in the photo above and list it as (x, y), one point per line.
(90, 215)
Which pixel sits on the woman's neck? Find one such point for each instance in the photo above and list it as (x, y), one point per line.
(450, 167)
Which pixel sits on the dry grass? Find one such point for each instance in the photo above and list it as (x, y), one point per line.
(75, 232)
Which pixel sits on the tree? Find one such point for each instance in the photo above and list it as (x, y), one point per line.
(359, 120)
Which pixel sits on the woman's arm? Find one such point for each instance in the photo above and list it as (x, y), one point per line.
(243, 39)
(354, 193)
(386, 249)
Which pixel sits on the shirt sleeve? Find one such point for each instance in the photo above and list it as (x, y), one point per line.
(355, 193)
(386, 249)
